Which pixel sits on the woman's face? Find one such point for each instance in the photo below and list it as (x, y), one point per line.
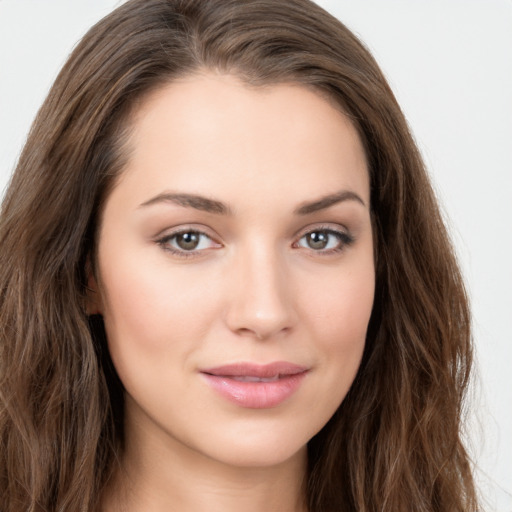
(235, 269)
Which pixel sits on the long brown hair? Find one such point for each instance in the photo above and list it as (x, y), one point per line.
(394, 444)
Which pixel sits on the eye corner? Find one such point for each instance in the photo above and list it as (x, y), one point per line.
(324, 240)
(188, 242)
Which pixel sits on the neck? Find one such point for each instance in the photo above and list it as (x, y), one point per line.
(167, 476)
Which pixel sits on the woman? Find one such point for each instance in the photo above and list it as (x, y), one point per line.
(225, 280)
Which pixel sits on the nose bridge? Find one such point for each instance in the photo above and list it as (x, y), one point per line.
(261, 302)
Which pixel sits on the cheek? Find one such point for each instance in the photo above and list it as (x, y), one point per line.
(152, 316)
(341, 310)
(154, 322)
(338, 314)
(145, 294)
(339, 317)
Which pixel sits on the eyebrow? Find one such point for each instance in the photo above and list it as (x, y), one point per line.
(217, 207)
(327, 201)
(191, 201)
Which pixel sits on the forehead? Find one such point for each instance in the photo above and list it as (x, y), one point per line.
(214, 135)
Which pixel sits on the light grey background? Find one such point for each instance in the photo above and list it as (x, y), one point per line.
(450, 65)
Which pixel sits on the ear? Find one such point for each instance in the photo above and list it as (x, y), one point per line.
(93, 301)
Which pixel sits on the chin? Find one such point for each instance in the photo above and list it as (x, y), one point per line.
(260, 445)
(265, 455)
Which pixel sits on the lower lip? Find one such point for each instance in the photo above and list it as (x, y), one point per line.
(256, 395)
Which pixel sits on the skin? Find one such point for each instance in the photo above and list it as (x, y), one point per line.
(256, 288)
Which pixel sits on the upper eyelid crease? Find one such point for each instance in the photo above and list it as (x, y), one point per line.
(164, 240)
(342, 234)
(179, 232)
(300, 234)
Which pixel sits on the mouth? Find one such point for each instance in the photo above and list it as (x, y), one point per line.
(248, 378)
(256, 386)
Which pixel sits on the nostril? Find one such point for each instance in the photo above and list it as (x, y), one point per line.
(259, 302)
(244, 331)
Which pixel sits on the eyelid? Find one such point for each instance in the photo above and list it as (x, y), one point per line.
(323, 226)
(170, 230)
(343, 234)
(166, 235)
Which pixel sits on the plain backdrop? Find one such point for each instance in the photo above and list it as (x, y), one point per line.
(449, 63)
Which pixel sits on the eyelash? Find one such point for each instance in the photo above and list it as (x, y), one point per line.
(164, 242)
(344, 240)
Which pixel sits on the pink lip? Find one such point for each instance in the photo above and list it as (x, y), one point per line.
(240, 382)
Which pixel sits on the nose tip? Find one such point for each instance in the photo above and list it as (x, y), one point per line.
(261, 327)
(261, 306)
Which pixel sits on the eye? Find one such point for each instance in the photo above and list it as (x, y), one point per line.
(186, 243)
(325, 240)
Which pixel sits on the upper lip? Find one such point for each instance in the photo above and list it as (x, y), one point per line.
(243, 369)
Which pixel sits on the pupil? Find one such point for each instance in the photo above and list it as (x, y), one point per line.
(188, 241)
(318, 240)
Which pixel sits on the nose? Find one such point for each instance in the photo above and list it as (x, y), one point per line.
(261, 304)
